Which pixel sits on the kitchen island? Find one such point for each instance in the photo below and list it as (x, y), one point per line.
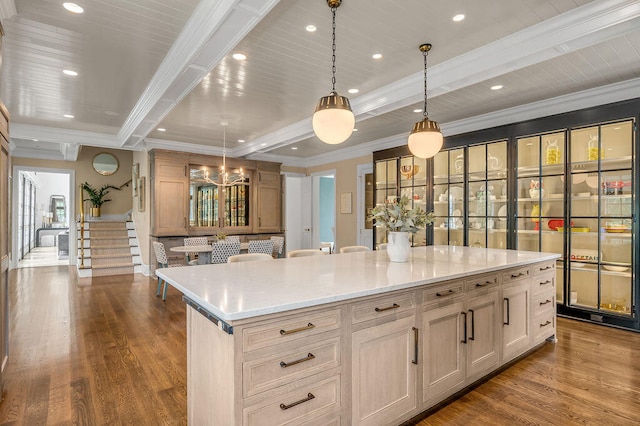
(354, 338)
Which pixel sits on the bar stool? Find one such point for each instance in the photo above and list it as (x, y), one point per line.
(161, 257)
(354, 249)
(249, 257)
(304, 252)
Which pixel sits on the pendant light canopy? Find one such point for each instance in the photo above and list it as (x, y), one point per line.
(425, 139)
(333, 120)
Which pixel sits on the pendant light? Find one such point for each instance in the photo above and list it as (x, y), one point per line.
(425, 139)
(333, 119)
(224, 178)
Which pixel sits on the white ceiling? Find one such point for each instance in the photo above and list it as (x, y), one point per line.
(146, 64)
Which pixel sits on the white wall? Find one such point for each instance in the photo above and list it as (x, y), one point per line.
(51, 184)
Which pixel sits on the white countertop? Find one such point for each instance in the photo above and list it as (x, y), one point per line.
(247, 289)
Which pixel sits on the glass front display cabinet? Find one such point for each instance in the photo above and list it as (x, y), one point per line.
(576, 197)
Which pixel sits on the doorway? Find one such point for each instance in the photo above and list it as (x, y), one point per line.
(44, 231)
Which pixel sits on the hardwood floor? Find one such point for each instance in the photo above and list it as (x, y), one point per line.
(108, 351)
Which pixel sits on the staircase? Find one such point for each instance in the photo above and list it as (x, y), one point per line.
(110, 248)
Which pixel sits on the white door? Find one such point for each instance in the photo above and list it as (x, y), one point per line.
(365, 186)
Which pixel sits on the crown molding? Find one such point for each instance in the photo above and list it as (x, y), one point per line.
(150, 143)
(214, 28)
(58, 135)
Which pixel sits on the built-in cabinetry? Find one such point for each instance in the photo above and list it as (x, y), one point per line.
(368, 361)
(169, 194)
(4, 239)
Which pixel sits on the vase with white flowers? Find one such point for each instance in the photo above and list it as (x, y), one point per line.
(400, 220)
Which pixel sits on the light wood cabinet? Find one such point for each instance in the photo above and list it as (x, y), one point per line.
(516, 320)
(169, 195)
(384, 376)
(4, 240)
(269, 202)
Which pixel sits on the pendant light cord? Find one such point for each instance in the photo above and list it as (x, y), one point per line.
(425, 113)
(333, 56)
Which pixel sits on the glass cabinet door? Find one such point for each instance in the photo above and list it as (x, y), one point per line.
(487, 195)
(601, 213)
(386, 176)
(448, 201)
(540, 197)
(204, 198)
(413, 185)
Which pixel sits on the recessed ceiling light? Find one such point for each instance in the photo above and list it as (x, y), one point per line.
(417, 110)
(529, 143)
(111, 113)
(616, 128)
(496, 87)
(241, 140)
(72, 7)
(310, 28)
(263, 144)
(294, 147)
(239, 56)
(376, 55)
(459, 17)
(161, 129)
(35, 140)
(68, 116)
(353, 91)
(355, 130)
(70, 72)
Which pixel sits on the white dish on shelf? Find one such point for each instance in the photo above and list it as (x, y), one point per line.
(592, 181)
(577, 265)
(502, 212)
(614, 268)
(457, 212)
(456, 192)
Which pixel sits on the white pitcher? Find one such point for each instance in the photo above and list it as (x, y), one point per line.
(398, 246)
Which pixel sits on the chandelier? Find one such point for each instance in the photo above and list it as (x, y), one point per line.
(226, 179)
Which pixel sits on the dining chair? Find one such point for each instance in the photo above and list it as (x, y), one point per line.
(382, 246)
(192, 257)
(304, 252)
(221, 251)
(354, 249)
(232, 239)
(278, 245)
(249, 257)
(161, 258)
(261, 246)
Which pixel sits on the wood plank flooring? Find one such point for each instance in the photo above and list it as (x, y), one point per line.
(108, 351)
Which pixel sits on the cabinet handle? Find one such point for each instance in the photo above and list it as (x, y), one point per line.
(394, 306)
(296, 330)
(309, 357)
(185, 222)
(545, 324)
(259, 222)
(415, 345)
(518, 276)
(546, 268)
(506, 299)
(465, 328)
(293, 404)
(485, 283)
(473, 325)
(185, 170)
(449, 293)
(545, 302)
(545, 282)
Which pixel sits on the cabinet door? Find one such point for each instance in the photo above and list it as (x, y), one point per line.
(483, 338)
(516, 332)
(269, 207)
(384, 377)
(170, 197)
(443, 366)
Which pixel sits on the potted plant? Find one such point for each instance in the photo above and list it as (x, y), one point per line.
(400, 220)
(97, 197)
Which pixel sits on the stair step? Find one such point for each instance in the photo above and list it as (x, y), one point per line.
(113, 265)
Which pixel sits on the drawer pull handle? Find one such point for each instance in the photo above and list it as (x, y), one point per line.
(296, 330)
(546, 268)
(309, 397)
(485, 283)
(415, 345)
(449, 293)
(309, 357)
(545, 282)
(394, 306)
(545, 302)
(545, 324)
(519, 275)
(507, 310)
(473, 325)
(465, 328)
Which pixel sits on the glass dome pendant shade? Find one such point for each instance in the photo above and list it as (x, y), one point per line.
(333, 120)
(425, 139)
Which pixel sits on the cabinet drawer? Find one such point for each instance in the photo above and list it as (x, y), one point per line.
(289, 329)
(544, 283)
(544, 326)
(544, 303)
(515, 274)
(545, 267)
(275, 370)
(448, 291)
(382, 306)
(484, 281)
(297, 407)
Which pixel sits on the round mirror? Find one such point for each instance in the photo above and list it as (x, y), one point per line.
(105, 164)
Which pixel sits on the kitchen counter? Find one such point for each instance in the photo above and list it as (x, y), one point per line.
(244, 290)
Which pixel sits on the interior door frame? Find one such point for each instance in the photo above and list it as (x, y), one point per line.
(363, 169)
(315, 209)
